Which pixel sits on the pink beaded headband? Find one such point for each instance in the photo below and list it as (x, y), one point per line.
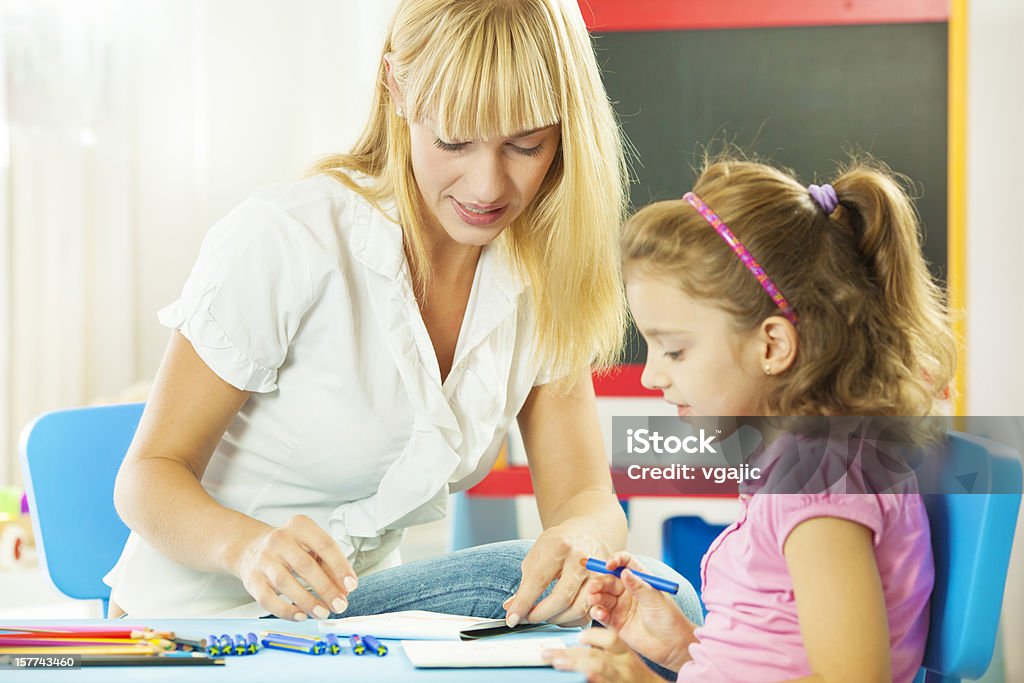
(741, 251)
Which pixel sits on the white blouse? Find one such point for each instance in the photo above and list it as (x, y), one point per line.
(302, 295)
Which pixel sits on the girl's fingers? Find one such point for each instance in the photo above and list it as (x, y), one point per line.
(583, 659)
(619, 559)
(605, 639)
(624, 559)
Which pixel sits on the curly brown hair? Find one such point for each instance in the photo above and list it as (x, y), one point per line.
(874, 332)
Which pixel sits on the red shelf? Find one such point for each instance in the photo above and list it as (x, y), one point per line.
(515, 481)
(604, 16)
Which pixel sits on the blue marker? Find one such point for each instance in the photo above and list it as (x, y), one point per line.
(212, 647)
(653, 581)
(375, 645)
(240, 644)
(333, 646)
(357, 645)
(307, 646)
(227, 646)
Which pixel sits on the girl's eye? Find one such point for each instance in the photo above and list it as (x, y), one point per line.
(450, 146)
(528, 151)
(674, 355)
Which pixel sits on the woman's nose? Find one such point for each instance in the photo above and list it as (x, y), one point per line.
(489, 178)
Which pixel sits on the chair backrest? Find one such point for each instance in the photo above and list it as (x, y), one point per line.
(972, 533)
(70, 459)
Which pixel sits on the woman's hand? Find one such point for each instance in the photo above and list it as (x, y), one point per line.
(647, 619)
(273, 562)
(555, 555)
(607, 660)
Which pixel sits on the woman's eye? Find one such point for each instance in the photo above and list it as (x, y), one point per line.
(674, 355)
(449, 146)
(528, 151)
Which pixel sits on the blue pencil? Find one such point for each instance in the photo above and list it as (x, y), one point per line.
(665, 585)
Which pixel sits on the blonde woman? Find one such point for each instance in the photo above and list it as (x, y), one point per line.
(352, 347)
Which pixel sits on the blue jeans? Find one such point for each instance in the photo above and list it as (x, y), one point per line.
(475, 582)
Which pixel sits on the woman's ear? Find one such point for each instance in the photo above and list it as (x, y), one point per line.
(778, 344)
(393, 89)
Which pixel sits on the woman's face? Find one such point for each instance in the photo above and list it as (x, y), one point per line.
(473, 189)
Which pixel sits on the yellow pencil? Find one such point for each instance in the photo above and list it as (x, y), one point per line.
(138, 649)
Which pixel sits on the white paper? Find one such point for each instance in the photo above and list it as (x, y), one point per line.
(410, 625)
(498, 652)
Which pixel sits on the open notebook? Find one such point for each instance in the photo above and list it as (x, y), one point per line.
(484, 653)
(422, 625)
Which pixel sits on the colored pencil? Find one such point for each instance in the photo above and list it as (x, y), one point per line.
(141, 648)
(98, 631)
(84, 642)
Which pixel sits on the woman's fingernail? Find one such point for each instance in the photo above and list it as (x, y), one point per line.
(512, 620)
(320, 612)
(350, 583)
(301, 616)
(339, 605)
(505, 604)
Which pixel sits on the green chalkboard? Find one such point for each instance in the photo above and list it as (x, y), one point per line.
(799, 97)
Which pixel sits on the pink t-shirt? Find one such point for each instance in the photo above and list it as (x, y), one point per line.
(752, 631)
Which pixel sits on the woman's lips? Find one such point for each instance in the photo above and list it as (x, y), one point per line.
(478, 215)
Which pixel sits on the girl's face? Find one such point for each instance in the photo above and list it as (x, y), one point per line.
(694, 357)
(473, 189)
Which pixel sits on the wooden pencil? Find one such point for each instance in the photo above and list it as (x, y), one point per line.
(139, 649)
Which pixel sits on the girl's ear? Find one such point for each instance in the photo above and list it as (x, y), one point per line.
(778, 344)
(393, 89)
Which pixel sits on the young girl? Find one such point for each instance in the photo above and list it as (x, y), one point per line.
(760, 296)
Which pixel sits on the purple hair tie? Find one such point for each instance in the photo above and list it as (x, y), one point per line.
(825, 197)
(744, 256)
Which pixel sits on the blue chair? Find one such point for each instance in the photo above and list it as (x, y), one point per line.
(684, 540)
(972, 534)
(70, 459)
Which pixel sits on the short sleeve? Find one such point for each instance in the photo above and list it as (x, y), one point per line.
(246, 295)
(787, 511)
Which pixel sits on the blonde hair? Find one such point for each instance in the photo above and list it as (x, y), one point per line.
(477, 69)
(874, 333)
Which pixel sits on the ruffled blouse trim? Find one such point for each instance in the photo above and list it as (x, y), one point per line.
(450, 433)
(214, 346)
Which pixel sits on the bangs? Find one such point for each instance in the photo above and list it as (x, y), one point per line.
(488, 79)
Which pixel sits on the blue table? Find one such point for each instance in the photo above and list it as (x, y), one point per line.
(272, 666)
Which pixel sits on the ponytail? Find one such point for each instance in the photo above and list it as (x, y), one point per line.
(884, 225)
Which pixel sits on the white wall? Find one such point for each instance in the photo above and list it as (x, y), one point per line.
(995, 249)
(135, 125)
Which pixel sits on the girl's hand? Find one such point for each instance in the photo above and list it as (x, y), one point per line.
(555, 555)
(608, 660)
(647, 619)
(272, 563)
